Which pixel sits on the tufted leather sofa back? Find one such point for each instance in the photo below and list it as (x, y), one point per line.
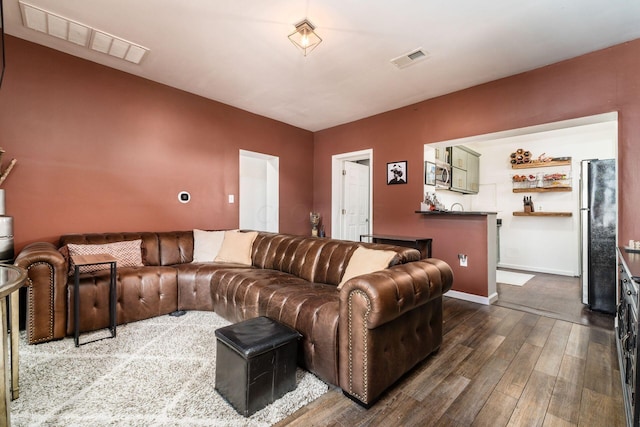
(159, 249)
(312, 259)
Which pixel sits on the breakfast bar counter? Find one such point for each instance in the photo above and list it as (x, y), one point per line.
(457, 213)
(467, 241)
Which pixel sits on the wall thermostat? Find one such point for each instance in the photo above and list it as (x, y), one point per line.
(184, 197)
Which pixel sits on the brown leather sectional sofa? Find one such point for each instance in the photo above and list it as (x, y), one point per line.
(361, 338)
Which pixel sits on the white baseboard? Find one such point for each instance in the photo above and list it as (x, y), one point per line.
(473, 298)
(537, 270)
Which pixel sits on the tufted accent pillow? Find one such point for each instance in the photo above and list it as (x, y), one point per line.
(236, 247)
(127, 254)
(206, 245)
(364, 261)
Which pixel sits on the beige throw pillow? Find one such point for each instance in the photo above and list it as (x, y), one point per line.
(364, 261)
(206, 245)
(127, 254)
(236, 247)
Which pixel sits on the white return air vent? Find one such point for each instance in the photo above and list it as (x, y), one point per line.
(410, 58)
(80, 34)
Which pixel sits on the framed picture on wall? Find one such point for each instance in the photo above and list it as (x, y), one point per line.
(397, 172)
(429, 173)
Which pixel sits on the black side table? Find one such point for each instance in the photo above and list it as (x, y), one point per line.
(423, 244)
(85, 260)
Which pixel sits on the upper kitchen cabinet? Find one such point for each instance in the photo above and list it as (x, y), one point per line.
(465, 169)
(442, 154)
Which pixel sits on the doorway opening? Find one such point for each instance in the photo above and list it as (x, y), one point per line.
(259, 191)
(548, 245)
(352, 195)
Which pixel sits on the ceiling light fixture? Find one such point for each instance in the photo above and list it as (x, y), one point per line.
(304, 37)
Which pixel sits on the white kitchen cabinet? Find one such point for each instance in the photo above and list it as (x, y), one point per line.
(465, 170)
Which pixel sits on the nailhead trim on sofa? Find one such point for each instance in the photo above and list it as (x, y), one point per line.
(31, 299)
(365, 352)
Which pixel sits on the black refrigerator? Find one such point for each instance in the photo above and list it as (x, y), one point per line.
(598, 224)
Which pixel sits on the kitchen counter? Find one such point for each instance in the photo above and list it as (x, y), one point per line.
(632, 262)
(455, 213)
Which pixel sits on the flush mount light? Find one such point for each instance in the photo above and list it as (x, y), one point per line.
(304, 37)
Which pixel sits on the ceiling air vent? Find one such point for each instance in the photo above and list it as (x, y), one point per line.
(410, 58)
(80, 34)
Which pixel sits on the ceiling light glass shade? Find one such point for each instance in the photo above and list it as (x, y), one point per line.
(304, 37)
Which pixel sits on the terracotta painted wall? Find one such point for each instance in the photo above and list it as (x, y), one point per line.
(99, 150)
(603, 81)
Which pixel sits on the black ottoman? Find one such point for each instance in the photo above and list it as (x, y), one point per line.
(255, 363)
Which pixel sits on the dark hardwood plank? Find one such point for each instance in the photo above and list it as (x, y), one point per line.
(567, 393)
(436, 404)
(600, 370)
(599, 410)
(578, 343)
(482, 355)
(516, 337)
(515, 378)
(497, 410)
(532, 406)
(467, 406)
(540, 332)
(553, 350)
(563, 374)
(439, 368)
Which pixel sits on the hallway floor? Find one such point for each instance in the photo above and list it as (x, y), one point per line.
(553, 296)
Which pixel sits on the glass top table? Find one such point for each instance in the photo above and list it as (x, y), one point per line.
(12, 278)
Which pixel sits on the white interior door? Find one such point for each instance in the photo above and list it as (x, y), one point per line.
(259, 195)
(355, 214)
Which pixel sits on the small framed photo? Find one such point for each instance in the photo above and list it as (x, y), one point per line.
(429, 173)
(397, 172)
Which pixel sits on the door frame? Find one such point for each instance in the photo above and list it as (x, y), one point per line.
(272, 188)
(337, 189)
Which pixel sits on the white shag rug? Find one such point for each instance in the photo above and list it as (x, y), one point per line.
(512, 278)
(156, 372)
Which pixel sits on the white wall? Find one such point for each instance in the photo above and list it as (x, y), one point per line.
(545, 244)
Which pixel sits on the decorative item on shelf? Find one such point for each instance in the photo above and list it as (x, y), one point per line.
(520, 156)
(524, 181)
(431, 203)
(528, 204)
(314, 218)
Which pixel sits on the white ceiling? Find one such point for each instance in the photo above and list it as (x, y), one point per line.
(237, 51)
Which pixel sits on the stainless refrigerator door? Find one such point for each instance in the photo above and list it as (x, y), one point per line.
(584, 230)
(602, 217)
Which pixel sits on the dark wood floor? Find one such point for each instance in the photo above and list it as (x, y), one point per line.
(498, 366)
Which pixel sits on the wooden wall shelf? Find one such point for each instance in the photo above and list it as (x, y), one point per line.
(541, 189)
(556, 214)
(542, 164)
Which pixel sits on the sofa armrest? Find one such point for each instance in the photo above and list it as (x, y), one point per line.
(389, 321)
(391, 292)
(46, 284)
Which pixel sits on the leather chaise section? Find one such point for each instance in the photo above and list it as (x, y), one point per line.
(310, 308)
